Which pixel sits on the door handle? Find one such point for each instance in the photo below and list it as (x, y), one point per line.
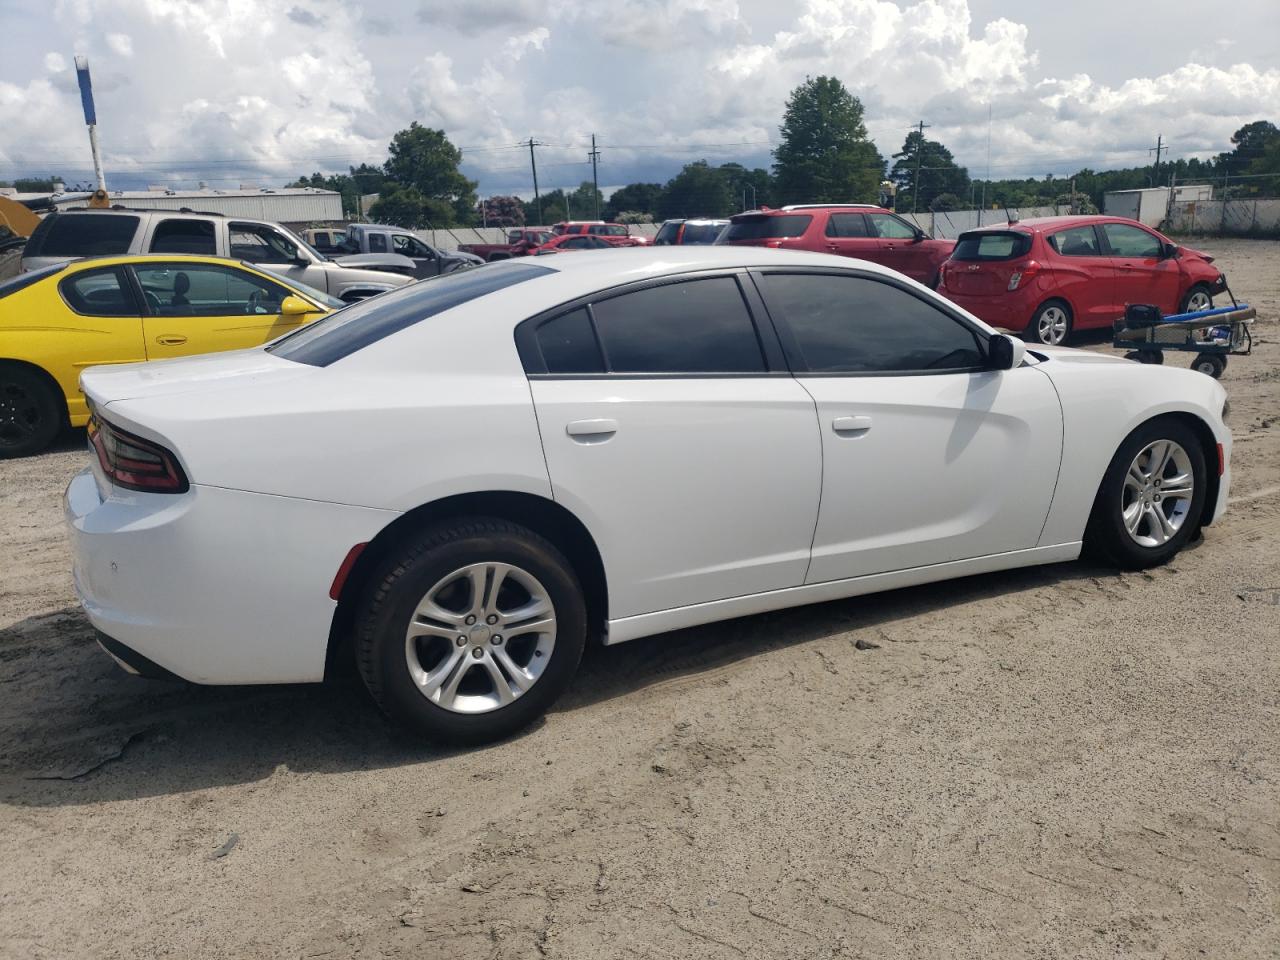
(170, 339)
(592, 429)
(851, 425)
(832, 247)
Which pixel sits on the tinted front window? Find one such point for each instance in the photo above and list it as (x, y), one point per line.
(1076, 242)
(1127, 241)
(82, 235)
(355, 327)
(568, 344)
(695, 326)
(991, 246)
(184, 236)
(766, 227)
(206, 290)
(260, 244)
(857, 325)
(100, 293)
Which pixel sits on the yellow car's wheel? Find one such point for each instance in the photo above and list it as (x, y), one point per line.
(31, 412)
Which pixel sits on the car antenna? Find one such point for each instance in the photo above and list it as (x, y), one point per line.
(1009, 217)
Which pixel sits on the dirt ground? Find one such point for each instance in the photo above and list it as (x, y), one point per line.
(1061, 762)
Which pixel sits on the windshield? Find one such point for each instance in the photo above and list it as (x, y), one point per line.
(766, 227)
(355, 327)
(319, 296)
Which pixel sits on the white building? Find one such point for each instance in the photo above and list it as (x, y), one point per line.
(281, 205)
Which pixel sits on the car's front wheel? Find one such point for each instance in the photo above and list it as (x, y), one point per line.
(471, 631)
(1198, 298)
(1151, 498)
(1051, 324)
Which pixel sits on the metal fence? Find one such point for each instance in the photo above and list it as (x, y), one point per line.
(1258, 217)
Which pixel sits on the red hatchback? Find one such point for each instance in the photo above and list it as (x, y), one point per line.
(848, 229)
(1049, 276)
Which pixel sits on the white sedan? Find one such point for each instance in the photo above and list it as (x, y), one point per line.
(458, 483)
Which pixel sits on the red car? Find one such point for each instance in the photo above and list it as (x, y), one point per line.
(1052, 275)
(616, 233)
(849, 229)
(580, 241)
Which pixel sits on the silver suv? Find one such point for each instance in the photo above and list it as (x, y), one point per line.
(70, 234)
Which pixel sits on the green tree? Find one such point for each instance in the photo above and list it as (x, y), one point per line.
(425, 160)
(408, 207)
(825, 155)
(585, 201)
(751, 188)
(553, 209)
(939, 173)
(634, 198)
(699, 190)
(1250, 143)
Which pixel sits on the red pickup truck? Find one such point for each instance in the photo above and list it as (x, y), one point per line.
(520, 243)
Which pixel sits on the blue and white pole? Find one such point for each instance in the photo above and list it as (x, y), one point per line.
(91, 120)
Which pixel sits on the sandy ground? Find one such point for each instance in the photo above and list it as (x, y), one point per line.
(1062, 762)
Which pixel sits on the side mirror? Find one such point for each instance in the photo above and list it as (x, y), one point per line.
(1169, 250)
(919, 237)
(292, 306)
(1005, 352)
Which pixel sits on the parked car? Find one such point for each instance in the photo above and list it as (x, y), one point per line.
(57, 320)
(457, 484)
(678, 232)
(71, 234)
(615, 232)
(1050, 276)
(428, 261)
(848, 229)
(520, 242)
(329, 241)
(566, 242)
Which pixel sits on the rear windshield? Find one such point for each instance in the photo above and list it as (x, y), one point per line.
(24, 280)
(82, 235)
(991, 246)
(766, 228)
(702, 232)
(355, 327)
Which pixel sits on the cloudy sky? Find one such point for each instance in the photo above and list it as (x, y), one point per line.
(229, 91)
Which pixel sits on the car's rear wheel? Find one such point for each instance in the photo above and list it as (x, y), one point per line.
(1151, 498)
(1051, 324)
(1197, 298)
(471, 631)
(31, 413)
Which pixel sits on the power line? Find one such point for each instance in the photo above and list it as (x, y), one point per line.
(915, 193)
(595, 179)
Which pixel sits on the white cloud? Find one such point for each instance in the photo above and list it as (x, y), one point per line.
(662, 82)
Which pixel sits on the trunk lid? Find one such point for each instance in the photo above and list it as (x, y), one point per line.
(210, 372)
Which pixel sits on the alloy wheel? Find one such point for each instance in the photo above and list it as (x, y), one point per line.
(481, 637)
(19, 414)
(1051, 326)
(1157, 493)
(1199, 300)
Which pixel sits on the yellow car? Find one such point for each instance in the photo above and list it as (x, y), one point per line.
(56, 321)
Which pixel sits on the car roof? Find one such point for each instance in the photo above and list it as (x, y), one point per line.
(601, 269)
(1042, 224)
(800, 208)
(121, 259)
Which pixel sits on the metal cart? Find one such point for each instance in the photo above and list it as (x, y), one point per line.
(1210, 334)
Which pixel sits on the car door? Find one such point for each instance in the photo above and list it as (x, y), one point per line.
(901, 247)
(259, 243)
(1084, 276)
(672, 428)
(928, 455)
(426, 260)
(204, 307)
(1143, 273)
(102, 324)
(847, 235)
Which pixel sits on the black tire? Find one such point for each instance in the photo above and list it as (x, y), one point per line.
(403, 580)
(1151, 356)
(1106, 537)
(31, 413)
(1034, 332)
(1185, 306)
(1210, 364)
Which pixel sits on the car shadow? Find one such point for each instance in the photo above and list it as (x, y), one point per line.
(76, 729)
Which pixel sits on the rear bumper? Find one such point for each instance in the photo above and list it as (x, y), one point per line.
(213, 585)
(1005, 312)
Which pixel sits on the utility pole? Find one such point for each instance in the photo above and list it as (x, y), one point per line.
(1157, 150)
(595, 179)
(988, 179)
(537, 198)
(915, 192)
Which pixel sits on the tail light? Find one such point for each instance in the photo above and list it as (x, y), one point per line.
(1023, 271)
(942, 274)
(134, 463)
(773, 243)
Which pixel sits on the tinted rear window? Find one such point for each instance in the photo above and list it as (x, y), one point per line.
(667, 234)
(24, 280)
(355, 327)
(184, 236)
(766, 228)
(991, 246)
(82, 235)
(701, 232)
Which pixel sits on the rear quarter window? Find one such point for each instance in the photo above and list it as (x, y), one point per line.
(82, 235)
(991, 246)
(766, 227)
